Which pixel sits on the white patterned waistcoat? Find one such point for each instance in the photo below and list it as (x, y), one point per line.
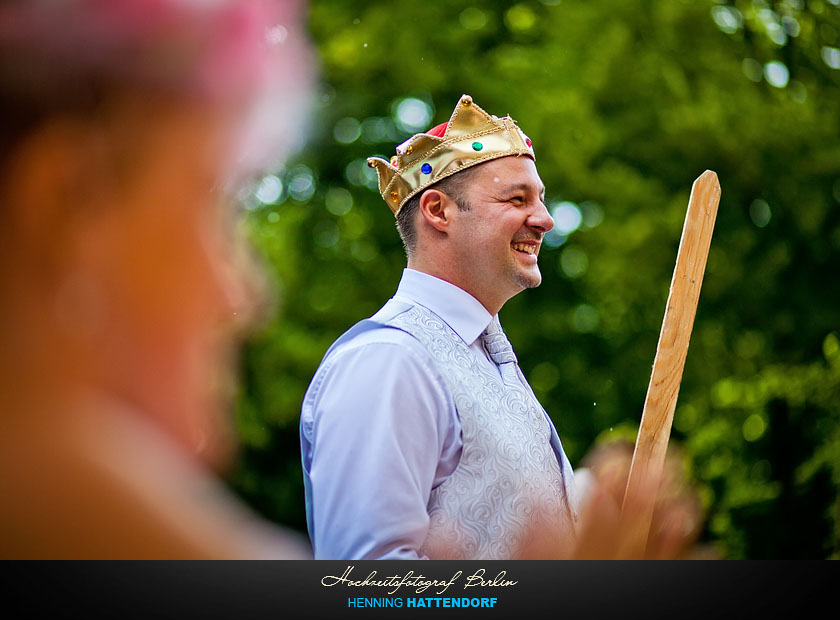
(512, 469)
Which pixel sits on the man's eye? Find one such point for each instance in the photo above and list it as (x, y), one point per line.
(518, 199)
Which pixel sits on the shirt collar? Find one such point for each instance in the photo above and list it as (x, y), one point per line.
(460, 310)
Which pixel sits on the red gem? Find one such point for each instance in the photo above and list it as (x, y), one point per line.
(528, 142)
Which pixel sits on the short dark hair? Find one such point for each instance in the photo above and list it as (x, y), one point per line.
(454, 186)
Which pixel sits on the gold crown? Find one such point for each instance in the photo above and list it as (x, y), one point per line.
(472, 136)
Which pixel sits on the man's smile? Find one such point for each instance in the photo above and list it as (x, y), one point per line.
(529, 248)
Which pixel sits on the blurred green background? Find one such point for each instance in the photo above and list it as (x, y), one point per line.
(627, 103)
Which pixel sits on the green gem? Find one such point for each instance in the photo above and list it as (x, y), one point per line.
(477, 146)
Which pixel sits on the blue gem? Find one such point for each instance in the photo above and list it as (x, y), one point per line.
(426, 169)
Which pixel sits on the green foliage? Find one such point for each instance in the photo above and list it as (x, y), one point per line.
(626, 102)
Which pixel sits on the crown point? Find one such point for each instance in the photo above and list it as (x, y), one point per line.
(466, 100)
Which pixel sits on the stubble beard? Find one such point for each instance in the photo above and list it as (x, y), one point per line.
(529, 281)
(523, 279)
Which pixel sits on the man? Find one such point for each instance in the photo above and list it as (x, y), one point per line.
(420, 436)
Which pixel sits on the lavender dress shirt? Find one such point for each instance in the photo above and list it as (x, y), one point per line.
(379, 430)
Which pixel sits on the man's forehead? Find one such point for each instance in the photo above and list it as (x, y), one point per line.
(504, 186)
(510, 174)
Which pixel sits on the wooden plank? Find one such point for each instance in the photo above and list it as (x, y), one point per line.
(661, 400)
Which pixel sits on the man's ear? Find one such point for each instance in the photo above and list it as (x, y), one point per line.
(436, 209)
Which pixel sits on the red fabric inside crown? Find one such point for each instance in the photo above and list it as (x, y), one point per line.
(438, 131)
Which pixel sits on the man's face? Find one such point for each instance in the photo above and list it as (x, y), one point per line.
(497, 241)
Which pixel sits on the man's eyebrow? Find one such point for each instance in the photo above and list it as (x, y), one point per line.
(527, 187)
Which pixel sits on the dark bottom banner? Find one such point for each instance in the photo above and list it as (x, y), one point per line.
(490, 589)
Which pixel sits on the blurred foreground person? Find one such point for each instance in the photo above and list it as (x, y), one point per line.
(123, 128)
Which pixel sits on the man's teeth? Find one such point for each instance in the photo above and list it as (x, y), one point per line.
(524, 247)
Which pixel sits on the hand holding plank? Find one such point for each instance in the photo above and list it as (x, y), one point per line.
(603, 532)
(671, 351)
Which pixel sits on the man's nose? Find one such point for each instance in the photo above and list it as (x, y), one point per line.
(541, 219)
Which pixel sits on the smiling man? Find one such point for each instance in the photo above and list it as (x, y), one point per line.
(420, 437)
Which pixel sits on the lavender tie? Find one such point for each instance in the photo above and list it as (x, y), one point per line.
(501, 352)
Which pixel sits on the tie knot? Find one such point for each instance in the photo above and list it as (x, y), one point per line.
(497, 344)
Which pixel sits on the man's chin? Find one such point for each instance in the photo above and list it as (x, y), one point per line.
(529, 279)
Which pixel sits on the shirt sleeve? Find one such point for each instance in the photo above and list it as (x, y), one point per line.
(380, 431)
